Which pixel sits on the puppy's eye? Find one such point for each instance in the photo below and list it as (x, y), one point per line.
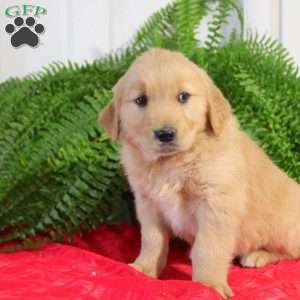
(141, 100)
(183, 97)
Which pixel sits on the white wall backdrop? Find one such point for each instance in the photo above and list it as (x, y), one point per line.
(278, 18)
(81, 30)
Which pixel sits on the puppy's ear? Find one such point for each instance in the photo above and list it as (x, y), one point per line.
(109, 121)
(109, 118)
(219, 109)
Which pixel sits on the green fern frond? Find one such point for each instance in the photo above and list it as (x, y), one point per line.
(188, 15)
(221, 13)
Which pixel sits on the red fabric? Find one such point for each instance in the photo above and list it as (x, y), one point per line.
(95, 267)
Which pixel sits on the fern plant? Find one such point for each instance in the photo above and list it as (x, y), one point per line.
(59, 173)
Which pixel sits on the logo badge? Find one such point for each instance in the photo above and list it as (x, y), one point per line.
(24, 28)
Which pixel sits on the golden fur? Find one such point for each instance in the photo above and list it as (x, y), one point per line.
(216, 188)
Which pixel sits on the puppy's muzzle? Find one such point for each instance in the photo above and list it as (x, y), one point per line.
(165, 134)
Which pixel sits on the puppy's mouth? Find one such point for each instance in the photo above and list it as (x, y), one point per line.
(167, 148)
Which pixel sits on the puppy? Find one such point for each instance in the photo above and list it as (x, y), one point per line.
(196, 175)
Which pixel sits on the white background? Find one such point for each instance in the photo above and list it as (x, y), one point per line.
(80, 30)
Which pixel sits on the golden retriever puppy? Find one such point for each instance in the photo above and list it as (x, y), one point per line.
(196, 175)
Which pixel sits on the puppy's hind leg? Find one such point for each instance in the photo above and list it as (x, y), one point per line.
(260, 258)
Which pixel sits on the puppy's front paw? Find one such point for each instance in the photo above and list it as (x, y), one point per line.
(144, 268)
(224, 290)
(220, 286)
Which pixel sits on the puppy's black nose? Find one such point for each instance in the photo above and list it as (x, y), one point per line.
(165, 134)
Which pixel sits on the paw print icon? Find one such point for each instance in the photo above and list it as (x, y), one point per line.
(24, 33)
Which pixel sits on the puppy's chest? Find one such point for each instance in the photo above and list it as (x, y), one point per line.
(176, 207)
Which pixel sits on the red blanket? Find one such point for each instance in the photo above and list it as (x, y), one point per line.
(95, 267)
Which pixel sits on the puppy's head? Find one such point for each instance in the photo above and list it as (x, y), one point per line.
(162, 103)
